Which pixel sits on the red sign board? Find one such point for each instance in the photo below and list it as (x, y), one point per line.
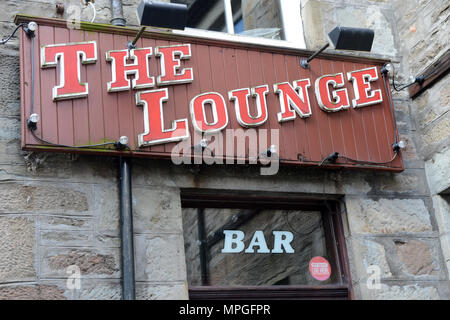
(173, 94)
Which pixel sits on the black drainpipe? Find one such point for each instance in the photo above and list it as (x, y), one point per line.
(117, 18)
(126, 205)
(126, 230)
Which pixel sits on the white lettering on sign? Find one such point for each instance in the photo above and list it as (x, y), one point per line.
(139, 68)
(171, 65)
(234, 242)
(68, 58)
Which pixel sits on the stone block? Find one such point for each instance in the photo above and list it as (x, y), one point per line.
(64, 223)
(313, 12)
(444, 97)
(432, 104)
(409, 182)
(106, 212)
(403, 116)
(160, 173)
(90, 289)
(23, 165)
(17, 253)
(288, 179)
(11, 48)
(31, 292)
(407, 10)
(410, 154)
(445, 245)
(367, 253)
(400, 292)
(93, 263)
(438, 171)
(350, 184)
(260, 14)
(421, 102)
(437, 132)
(44, 8)
(387, 216)
(92, 169)
(10, 153)
(441, 204)
(18, 198)
(409, 253)
(66, 238)
(160, 258)
(166, 291)
(97, 290)
(9, 85)
(157, 210)
(9, 128)
(380, 183)
(17, 164)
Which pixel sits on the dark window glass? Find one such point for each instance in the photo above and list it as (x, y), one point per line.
(260, 18)
(208, 265)
(239, 26)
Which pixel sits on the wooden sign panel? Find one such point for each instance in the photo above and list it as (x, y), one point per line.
(173, 91)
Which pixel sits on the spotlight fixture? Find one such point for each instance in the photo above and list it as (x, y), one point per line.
(202, 145)
(269, 152)
(344, 38)
(32, 121)
(132, 44)
(162, 14)
(331, 158)
(122, 143)
(30, 29)
(272, 150)
(399, 145)
(386, 69)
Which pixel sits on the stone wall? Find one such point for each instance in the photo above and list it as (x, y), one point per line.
(57, 210)
(261, 14)
(394, 229)
(423, 28)
(321, 16)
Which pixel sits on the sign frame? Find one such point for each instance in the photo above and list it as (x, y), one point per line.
(327, 61)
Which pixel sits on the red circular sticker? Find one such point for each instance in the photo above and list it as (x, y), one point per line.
(320, 268)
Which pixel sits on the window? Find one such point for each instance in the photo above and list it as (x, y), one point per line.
(279, 20)
(260, 246)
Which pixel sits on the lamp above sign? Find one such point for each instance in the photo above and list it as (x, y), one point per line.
(91, 89)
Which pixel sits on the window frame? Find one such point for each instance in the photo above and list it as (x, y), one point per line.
(291, 28)
(330, 208)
